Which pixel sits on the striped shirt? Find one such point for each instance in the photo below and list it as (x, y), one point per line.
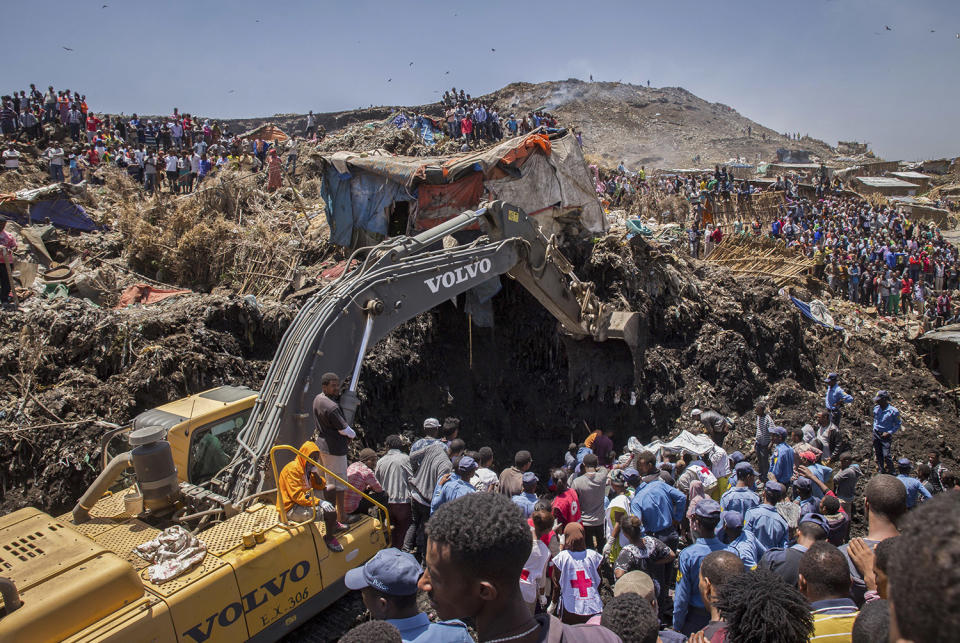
(833, 620)
(763, 429)
(361, 477)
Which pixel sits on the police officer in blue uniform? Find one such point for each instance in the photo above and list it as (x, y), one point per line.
(915, 489)
(734, 458)
(785, 561)
(835, 398)
(741, 498)
(886, 422)
(765, 523)
(805, 498)
(731, 532)
(781, 456)
(689, 613)
(388, 584)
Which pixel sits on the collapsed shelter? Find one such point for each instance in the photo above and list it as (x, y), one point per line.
(370, 196)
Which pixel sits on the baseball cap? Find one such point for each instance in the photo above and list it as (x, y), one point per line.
(881, 395)
(635, 582)
(904, 463)
(391, 571)
(736, 457)
(695, 412)
(466, 463)
(803, 483)
(431, 423)
(731, 519)
(529, 477)
(809, 456)
(707, 509)
(831, 377)
(745, 469)
(778, 430)
(816, 519)
(774, 487)
(632, 475)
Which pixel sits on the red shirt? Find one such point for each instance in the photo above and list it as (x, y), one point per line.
(93, 123)
(92, 157)
(466, 126)
(568, 506)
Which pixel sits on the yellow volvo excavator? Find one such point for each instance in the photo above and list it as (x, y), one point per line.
(208, 462)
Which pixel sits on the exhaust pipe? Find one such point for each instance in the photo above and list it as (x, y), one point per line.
(81, 512)
(11, 597)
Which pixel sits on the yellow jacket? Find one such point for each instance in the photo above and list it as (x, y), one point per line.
(295, 488)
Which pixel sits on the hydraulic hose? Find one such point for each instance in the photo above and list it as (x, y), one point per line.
(81, 512)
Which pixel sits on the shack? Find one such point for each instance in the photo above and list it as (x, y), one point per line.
(885, 185)
(373, 195)
(942, 347)
(922, 180)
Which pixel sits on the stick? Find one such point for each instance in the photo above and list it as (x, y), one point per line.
(470, 341)
(13, 289)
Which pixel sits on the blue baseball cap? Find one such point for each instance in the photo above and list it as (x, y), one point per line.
(802, 483)
(466, 463)
(391, 571)
(745, 469)
(904, 463)
(816, 519)
(707, 509)
(774, 487)
(529, 477)
(779, 430)
(736, 457)
(632, 475)
(831, 377)
(731, 519)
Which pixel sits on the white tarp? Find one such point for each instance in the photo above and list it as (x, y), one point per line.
(686, 441)
(172, 553)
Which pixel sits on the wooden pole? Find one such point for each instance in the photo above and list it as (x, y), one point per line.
(13, 288)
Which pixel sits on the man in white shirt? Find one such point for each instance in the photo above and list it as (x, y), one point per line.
(533, 578)
(11, 158)
(485, 479)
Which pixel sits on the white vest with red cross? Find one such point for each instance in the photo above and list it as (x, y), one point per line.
(579, 581)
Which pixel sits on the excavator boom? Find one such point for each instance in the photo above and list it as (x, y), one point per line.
(398, 280)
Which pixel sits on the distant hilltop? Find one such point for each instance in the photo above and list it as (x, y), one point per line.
(659, 127)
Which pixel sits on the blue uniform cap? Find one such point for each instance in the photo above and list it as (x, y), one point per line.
(803, 483)
(745, 469)
(816, 519)
(731, 519)
(391, 571)
(632, 475)
(736, 457)
(832, 377)
(529, 477)
(775, 487)
(707, 509)
(466, 463)
(881, 395)
(779, 430)
(904, 463)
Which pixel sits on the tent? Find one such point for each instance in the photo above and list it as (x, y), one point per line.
(267, 132)
(371, 194)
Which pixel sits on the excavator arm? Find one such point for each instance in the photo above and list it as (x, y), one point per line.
(396, 281)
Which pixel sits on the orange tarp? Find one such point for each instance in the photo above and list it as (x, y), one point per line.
(146, 294)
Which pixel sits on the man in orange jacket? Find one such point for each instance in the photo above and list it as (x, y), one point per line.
(298, 482)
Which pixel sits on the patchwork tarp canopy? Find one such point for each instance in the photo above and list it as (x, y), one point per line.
(268, 132)
(51, 202)
(541, 172)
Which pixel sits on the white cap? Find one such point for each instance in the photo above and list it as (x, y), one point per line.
(431, 423)
(695, 412)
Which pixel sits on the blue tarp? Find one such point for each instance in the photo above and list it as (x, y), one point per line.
(805, 310)
(358, 200)
(61, 212)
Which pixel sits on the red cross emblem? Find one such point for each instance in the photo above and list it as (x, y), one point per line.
(582, 583)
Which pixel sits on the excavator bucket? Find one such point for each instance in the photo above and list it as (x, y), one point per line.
(608, 368)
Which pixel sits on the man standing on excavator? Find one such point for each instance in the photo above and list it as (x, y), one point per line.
(332, 435)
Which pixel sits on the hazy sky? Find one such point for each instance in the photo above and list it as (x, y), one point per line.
(824, 67)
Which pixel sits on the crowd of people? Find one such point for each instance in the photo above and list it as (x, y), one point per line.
(175, 153)
(700, 543)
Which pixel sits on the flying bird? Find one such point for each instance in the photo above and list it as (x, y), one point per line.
(887, 28)
(231, 91)
(389, 79)
(68, 48)
(445, 73)
(492, 49)
(933, 31)
(410, 65)
(105, 6)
